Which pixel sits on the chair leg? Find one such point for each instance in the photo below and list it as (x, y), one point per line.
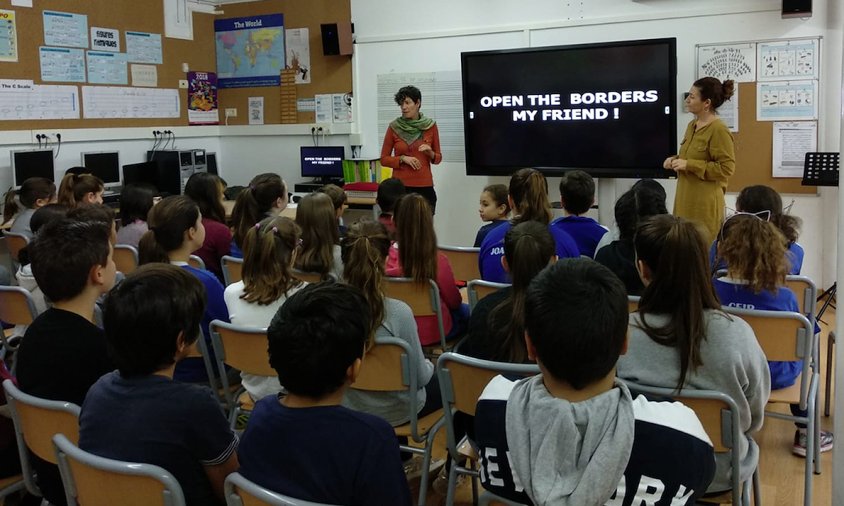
(423, 480)
(830, 342)
(810, 453)
(452, 485)
(757, 489)
(817, 424)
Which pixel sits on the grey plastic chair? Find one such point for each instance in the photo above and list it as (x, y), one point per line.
(195, 261)
(241, 492)
(126, 258)
(462, 380)
(17, 307)
(36, 421)
(463, 261)
(423, 299)
(231, 269)
(98, 481)
(477, 289)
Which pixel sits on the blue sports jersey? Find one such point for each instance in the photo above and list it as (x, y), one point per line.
(492, 249)
(585, 231)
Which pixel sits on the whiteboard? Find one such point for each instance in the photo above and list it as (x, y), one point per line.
(122, 102)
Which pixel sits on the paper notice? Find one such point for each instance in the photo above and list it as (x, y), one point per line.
(144, 75)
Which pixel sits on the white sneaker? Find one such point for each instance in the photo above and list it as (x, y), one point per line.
(413, 467)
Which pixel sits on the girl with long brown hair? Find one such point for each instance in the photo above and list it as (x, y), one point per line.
(679, 338)
(34, 193)
(207, 191)
(529, 201)
(80, 189)
(415, 255)
(754, 250)
(320, 251)
(364, 251)
(269, 250)
(265, 196)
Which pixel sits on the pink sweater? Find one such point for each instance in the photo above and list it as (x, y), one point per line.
(450, 297)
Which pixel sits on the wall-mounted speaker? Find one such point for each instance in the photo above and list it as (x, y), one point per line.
(337, 38)
(796, 8)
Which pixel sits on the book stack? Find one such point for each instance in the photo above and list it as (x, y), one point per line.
(369, 171)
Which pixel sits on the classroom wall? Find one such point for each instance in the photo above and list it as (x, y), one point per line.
(451, 27)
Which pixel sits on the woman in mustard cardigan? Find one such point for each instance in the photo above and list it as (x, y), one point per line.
(706, 159)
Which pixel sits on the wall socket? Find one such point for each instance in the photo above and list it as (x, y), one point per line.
(231, 112)
(183, 84)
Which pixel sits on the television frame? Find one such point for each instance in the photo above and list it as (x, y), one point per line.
(473, 169)
(106, 184)
(323, 178)
(52, 173)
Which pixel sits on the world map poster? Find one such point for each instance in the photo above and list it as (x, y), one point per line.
(250, 51)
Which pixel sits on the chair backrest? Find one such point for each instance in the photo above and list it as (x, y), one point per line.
(125, 258)
(36, 421)
(15, 242)
(196, 262)
(633, 303)
(17, 306)
(463, 379)
(97, 481)
(243, 348)
(423, 298)
(718, 413)
(478, 289)
(784, 337)
(241, 492)
(463, 260)
(232, 269)
(806, 292)
(307, 277)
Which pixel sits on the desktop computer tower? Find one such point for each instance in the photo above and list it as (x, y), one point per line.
(175, 167)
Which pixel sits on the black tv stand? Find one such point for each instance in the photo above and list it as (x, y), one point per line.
(316, 184)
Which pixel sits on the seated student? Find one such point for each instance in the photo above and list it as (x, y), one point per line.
(613, 234)
(135, 202)
(176, 230)
(494, 208)
(80, 189)
(34, 193)
(390, 191)
(765, 200)
(63, 352)
(497, 323)
(268, 253)
(305, 445)
(44, 215)
(265, 196)
(630, 209)
(577, 194)
(207, 191)
(138, 413)
(754, 251)
(528, 197)
(339, 200)
(573, 434)
(680, 338)
(320, 250)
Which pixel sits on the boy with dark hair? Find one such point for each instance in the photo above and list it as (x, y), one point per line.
(138, 413)
(390, 191)
(305, 444)
(63, 352)
(577, 194)
(573, 434)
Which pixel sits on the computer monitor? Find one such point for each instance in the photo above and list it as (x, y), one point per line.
(211, 162)
(323, 163)
(145, 172)
(105, 165)
(32, 163)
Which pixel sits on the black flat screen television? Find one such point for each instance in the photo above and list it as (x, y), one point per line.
(32, 163)
(324, 163)
(105, 165)
(609, 109)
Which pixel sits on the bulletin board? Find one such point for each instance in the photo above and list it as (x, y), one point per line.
(754, 139)
(329, 74)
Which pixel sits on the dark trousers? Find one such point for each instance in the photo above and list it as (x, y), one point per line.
(427, 192)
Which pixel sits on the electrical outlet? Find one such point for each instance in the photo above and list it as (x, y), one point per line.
(323, 129)
(231, 112)
(183, 84)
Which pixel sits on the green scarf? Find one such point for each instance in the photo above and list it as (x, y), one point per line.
(411, 129)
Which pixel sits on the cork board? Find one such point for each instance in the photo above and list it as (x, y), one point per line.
(145, 16)
(329, 74)
(754, 150)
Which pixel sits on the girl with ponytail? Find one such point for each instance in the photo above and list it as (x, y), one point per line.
(176, 230)
(269, 249)
(34, 193)
(80, 189)
(497, 324)
(679, 338)
(529, 201)
(265, 196)
(207, 191)
(364, 251)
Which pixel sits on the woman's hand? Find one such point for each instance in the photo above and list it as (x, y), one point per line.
(667, 163)
(414, 163)
(678, 164)
(425, 148)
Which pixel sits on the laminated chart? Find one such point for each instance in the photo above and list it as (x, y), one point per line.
(29, 102)
(100, 102)
(60, 64)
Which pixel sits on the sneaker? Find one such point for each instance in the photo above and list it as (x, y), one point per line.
(800, 437)
(440, 484)
(413, 467)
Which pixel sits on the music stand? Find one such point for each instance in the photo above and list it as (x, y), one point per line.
(821, 169)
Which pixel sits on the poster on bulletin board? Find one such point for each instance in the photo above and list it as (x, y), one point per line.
(250, 51)
(202, 99)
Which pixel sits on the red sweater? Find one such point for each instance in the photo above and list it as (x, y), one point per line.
(394, 148)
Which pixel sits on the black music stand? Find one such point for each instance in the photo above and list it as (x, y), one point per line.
(821, 169)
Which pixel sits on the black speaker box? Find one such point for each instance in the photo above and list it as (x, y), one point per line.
(336, 38)
(796, 8)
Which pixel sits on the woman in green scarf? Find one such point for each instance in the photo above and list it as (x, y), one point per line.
(411, 145)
